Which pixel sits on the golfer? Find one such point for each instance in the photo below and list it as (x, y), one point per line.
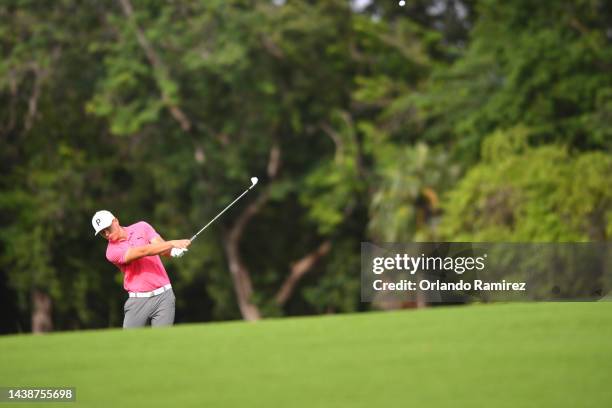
(135, 250)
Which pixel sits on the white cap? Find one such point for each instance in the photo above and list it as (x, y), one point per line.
(102, 219)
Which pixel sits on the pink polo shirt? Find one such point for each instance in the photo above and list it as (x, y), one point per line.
(144, 274)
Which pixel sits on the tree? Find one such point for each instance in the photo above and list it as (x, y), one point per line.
(49, 162)
(520, 193)
(544, 66)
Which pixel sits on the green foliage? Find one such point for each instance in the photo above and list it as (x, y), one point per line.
(331, 188)
(337, 290)
(404, 175)
(541, 194)
(547, 68)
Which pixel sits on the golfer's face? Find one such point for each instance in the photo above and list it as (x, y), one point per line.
(111, 233)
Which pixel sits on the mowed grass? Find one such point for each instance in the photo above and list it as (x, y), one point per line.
(512, 355)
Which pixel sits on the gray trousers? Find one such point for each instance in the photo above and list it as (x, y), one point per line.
(158, 309)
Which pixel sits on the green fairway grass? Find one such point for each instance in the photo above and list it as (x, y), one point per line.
(510, 355)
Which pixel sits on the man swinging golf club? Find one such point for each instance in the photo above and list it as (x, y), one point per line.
(135, 250)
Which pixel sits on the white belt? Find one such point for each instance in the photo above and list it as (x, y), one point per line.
(152, 293)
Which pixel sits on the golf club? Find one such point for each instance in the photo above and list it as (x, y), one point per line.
(254, 181)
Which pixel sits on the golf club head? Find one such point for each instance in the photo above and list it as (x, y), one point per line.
(254, 181)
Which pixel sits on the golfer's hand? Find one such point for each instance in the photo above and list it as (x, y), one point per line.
(181, 243)
(178, 252)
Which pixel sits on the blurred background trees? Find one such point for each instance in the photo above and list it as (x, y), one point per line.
(440, 120)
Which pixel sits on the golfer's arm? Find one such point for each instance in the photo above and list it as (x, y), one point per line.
(152, 249)
(157, 240)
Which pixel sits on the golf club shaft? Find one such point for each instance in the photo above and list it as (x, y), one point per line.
(218, 215)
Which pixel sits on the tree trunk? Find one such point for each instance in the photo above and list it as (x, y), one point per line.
(298, 270)
(41, 312)
(240, 277)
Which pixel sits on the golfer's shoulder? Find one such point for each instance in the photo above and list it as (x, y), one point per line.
(140, 225)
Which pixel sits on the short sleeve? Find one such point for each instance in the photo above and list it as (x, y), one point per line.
(116, 253)
(150, 232)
